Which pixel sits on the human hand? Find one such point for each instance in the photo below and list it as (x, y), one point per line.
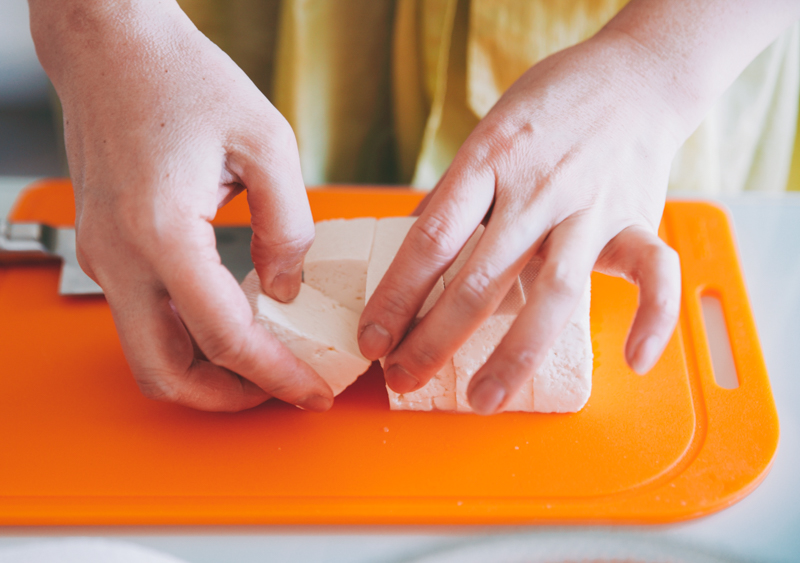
(162, 129)
(571, 165)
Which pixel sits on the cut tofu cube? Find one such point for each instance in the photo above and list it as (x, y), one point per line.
(477, 349)
(432, 298)
(336, 264)
(514, 300)
(529, 274)
(474, 353)
(563, 382)
(439, 394)
(389, 236)
(315, 328)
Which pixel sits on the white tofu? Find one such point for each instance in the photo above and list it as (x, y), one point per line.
(315, 328)
(563, 382)
(389, 236)
(336, 264)
(474, 353)
(477, 349)
(529, 274)
(432, 298)
(439, 394)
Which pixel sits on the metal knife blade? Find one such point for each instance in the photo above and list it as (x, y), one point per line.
(34, 242)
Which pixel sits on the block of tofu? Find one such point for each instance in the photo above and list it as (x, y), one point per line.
(439, 394)
(563, 382)
(474, 353)
(315, 328)
(389, 235)
(336, 264)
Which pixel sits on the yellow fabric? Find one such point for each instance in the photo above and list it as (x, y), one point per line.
(745, 142)
(245, 29)
(333, 85)
(438, 134)
(387, 90)
(507, 37)
(422, 32)
(794, 172)
(491, 44)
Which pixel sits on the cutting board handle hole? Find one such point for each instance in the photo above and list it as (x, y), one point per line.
(719, 344)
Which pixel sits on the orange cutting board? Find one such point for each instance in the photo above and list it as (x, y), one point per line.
(80, 445)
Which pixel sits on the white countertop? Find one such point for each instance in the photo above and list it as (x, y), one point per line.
(763, 528)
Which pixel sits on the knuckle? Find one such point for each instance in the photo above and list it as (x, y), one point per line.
(426, 358)
(156, 387)
(562, 277)
(671, 258)
(281, 388)
(477, 288)
(225, 349)
(666, 304)
(292, 247)
(86, 245)
(521, 362)
(508, 141)
(436, 236)
(395, 303)
(282, 136)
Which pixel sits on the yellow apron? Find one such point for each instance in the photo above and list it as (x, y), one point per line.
(385, 91)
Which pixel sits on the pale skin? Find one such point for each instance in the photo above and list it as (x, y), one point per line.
(571, 165)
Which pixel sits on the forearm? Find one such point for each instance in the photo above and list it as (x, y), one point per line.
(692, 51)
(76, 38)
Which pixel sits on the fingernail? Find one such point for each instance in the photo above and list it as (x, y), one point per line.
(374, 341)
(315, 403)
(286, 286)
(646, 355)
(400, 380)
(487, 396)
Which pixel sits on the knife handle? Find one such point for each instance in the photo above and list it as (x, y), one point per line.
(26, 242)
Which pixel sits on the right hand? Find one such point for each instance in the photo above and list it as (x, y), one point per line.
(162, 129)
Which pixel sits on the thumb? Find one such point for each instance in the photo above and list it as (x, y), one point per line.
(283, 229)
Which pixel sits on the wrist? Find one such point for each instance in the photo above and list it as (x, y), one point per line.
(640, 84)
(667, 78)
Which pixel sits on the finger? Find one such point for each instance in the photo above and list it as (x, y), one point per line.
(432, 243)
(283, 228)
(217, 314)
(468, 300)
(160, 354)
(569, 253)
(638, 255)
